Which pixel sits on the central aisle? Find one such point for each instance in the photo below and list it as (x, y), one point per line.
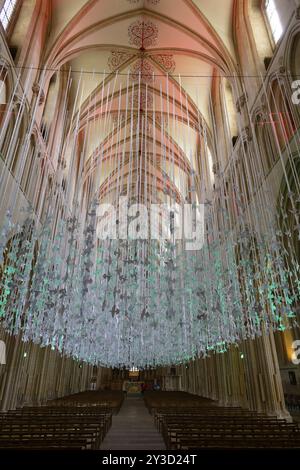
(133, 428)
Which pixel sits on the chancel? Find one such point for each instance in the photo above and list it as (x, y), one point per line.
(149, 224)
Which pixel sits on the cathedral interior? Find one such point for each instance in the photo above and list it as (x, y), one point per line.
(150, 224)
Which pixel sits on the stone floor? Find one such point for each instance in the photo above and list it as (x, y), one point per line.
(133, 428)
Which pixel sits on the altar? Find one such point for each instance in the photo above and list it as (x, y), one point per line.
(133, 387)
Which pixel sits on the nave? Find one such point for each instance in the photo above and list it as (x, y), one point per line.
(149, 225)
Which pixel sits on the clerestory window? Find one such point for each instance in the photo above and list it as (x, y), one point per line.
(7, 11)
(273, 19)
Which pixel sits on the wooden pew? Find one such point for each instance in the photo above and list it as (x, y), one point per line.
(188, 423)
(55, 427)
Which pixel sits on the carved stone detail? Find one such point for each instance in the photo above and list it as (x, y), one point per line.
(36, 90)
(247, 134)
(282, 70)
(216, 168)
(242, 100)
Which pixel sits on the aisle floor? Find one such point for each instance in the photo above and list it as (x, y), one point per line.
(133, 428)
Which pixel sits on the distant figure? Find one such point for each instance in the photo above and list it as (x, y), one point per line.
(156, 387)
(124, 389)
(93, 383)
(143, 388)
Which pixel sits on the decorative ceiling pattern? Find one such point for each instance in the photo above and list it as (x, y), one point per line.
(143, 34)
(153, 2)
(117, 59)
(142, 71)
(143, 99)
(166, 61)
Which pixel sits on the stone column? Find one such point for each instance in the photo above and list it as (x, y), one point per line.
(263, 378)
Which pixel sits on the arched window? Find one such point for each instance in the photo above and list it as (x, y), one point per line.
(273, 19)
(281, 114)
(230, 111)
(2, 92)
(50, 106)
(294, 62)
(7, 11)
(210, 166)
(3, 95)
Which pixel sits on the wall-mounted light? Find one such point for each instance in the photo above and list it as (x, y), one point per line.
(242, 355)
(25, 354)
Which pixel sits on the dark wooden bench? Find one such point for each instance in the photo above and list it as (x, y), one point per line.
(204, 424)
(54, 427)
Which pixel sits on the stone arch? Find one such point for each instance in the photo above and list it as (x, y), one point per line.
(260, 31)
(293, 55)
(6, 90)
(282, 119)
(292, 65)
(289, 186)
(227, 93)
(23, 16)
(50, 105)
(3, 93)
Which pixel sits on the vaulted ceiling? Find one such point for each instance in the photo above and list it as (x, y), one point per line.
(144, 69)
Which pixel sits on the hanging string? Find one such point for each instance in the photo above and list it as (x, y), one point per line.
(144, 301)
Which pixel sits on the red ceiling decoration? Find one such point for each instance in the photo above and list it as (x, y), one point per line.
(154, 2)
(143, 99)
(117, 59)
(142, 71)
(166, 61)
(143, 34)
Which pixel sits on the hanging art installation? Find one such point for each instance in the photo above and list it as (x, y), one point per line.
(94, 274)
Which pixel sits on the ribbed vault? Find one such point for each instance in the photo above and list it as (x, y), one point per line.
(144, 71)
